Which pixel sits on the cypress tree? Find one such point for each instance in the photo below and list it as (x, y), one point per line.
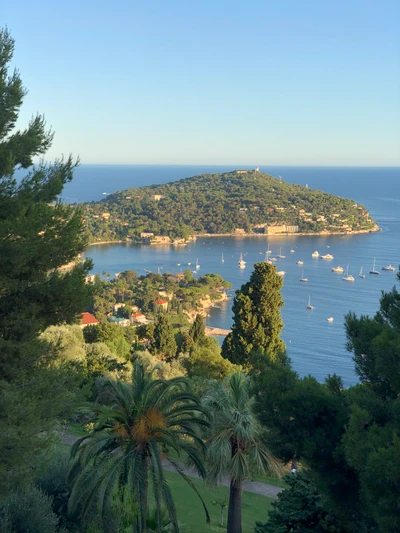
(257, 322)
(38, 234)
(164, 340)
(197, 329)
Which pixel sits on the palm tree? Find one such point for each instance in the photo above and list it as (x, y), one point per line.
(235, 445)
(134, 424)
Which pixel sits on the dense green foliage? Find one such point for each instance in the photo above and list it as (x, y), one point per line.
(218, 204)
(28, 512)
(133, 424)
(257, 322)
(298, 510)
(348, 438)
(129, 289)
(38, 235)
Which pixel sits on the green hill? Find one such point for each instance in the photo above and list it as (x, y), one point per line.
(238, 202)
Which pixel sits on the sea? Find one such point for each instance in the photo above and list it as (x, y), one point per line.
(315, 345)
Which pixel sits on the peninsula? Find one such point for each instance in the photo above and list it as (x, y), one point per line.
(240, 203)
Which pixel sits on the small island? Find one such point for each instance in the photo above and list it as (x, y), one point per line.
(237, 203)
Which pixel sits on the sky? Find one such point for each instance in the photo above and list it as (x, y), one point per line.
(294, 82)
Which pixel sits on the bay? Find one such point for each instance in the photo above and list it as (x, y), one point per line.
(316, 346)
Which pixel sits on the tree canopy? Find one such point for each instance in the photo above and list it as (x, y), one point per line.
(219, 204)
(257, 322)
(38, 236)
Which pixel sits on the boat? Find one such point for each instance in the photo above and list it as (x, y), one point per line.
(197, 263)
(292, 251)
(148, 271)
(222, 260)
(303, 278)
(178, 264)
(266, 260)
(338, 269)
(241, 262)
(300, 262)
(360, 274)
(315, 254)
(390, 268)
(330, 319)
(327, 256)
(374, 271)
(281, 273)
(189, 264)
(348, 277)
(309, 306)
(280, 254)
(273, 259)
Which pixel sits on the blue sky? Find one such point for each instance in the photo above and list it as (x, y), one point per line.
(294, 82)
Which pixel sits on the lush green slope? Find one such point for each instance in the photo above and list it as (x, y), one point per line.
(221, 204)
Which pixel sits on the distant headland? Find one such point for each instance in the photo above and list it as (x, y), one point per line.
(238, 203)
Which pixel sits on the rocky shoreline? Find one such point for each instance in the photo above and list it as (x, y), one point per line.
(375, 229)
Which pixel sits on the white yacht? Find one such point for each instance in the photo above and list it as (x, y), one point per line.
(360, 274)
(347, 276)
(197, 263)
(309, 306)
(303, 278)
(292, 251)
(222, 260)
(327, 256)
(374, 271)
(315, 254)
(241, 263)
(390, 268)
(280, 254)
(300, 262)
(338, 269)
(281, 273)
(189, 264)
(273, 259)
(330, 319)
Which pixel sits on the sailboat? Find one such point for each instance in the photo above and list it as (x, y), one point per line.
(309, 306)
(302, 277)
(348, 277)
(242, 263)
(280, 254)
(268, 250)
(374, 271)
(222, 260)
(197, 263)
(361, 275)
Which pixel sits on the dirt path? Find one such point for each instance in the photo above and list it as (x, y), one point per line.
(257, 487)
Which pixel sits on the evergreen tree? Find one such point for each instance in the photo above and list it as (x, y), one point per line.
(299, 509)
(197, 330)
(164, 340)
(257, 322)
(38, 235)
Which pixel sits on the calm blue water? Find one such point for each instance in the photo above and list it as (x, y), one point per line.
(316, 346)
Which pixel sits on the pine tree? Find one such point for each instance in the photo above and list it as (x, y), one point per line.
(164, 340)
(38, 235)
(257, 322)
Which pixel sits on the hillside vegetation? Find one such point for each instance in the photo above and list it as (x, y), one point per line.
(238, 202)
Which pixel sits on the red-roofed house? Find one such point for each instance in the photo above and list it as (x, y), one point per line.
(87, 319)
(138, 318)
(161, 305)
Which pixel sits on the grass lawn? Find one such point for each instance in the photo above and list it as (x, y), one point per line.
(191, 514)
